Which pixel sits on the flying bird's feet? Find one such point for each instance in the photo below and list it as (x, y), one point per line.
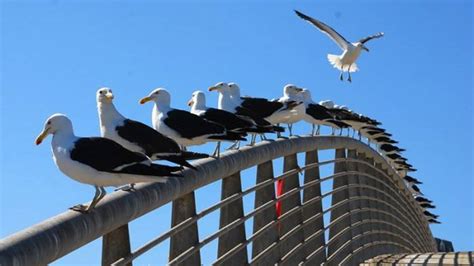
(341, 77)
(80, 208)
(349, 78)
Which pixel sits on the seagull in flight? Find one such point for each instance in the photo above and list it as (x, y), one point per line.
(351, 51)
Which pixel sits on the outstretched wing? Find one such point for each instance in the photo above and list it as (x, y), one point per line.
(334, 35)
(375, 36)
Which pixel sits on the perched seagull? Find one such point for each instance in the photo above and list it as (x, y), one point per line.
(390, 149)
(275, 112)
(430, 215)
(412, 180)
(433, 221)
(416, 190)
(184, 127)
(316, 114)
(98, 161)
(426, 205)
(351, 51)
(136, 136)
(422, 199)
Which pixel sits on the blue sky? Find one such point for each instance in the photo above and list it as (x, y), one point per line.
(417, 80)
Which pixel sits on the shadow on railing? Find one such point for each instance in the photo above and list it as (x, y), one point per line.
(371, 213)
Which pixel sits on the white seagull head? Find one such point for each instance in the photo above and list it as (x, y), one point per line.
(54, 124)
(160, 96)
(234, 90)
(197, 101)
(291, 90)
(306, 95)
(104, 95)
(219, 87)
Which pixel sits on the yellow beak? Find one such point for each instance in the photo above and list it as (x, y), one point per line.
(212, 88)
(190, 103)
(109, 96)
(145, 100)
(41, 136)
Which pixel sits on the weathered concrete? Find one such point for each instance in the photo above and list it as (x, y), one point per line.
(115, 245)
(230, 186)
(262, 196)
(313, 209)
(290, 162)
(182, 209)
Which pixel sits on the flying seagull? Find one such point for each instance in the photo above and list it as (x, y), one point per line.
(136, 136)
(98, 161)
(351, 51)
(184, 127)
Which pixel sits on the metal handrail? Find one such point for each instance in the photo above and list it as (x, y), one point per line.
(53, 238)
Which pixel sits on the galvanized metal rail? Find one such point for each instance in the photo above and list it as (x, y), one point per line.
(371, 212)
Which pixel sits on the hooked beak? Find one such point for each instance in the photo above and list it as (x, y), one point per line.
(190, 103)
(109, 96)
(145, 100)
(213, 88)
(365, 48)
(42, 136)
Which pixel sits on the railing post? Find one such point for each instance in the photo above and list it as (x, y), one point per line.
(290, 162)
(115, 245)
(339, 224)
(182, 209)
(231, 185)
(355, 217)
(313, 209)
(262, 196)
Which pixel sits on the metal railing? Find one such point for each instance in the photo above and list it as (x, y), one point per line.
(371, 212)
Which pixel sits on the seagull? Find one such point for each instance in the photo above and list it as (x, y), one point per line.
(430, 215)
(184, 127)
(426, 205)
(422, 199)
(412, 180)
(317, 114)
(273, 112)
(294, 110)
(416, 190)
(136, 136)
(390, 149)
(433, 221)
(98, 161)
(351, 51)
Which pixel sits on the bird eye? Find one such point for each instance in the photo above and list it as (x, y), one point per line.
(49, 123)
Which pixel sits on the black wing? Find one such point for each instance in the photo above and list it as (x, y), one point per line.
(227, 119)
(152, 141)
(104, 154)
(366, 39)
(262, 107)
(318, 111)
(189, 125)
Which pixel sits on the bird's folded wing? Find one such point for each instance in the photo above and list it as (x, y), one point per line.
(189, 125)
(104, 154)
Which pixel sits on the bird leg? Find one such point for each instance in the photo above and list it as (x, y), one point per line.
(99, 194)
(252, 139)
(128, 187)
(234, 146)
(278, 133)
(290, 128)
(312, 130)
(340, 133)
(341, 77)
(349, 71)
(333, 131)
(263, 137)
(217, 151)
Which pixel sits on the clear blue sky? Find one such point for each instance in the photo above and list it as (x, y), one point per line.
(417, 80)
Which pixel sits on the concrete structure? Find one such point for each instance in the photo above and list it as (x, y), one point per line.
(371, 212)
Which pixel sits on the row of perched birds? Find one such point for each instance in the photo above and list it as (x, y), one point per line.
(125, 152)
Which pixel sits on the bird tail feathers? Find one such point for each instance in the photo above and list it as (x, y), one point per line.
(336, 62)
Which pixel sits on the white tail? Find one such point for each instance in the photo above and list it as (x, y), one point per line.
(335, 61)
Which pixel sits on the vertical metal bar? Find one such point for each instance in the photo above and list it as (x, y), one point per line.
(312, 210)
(232, 185)
(290, 162)
(262, 196)
(386, 249)
(182, 209)
(338, 212)
(116, 245)
(376, 250)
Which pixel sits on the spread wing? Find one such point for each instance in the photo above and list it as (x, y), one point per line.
(334, 35)
(375, 36)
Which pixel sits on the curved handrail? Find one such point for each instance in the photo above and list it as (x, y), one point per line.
(59, 235)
